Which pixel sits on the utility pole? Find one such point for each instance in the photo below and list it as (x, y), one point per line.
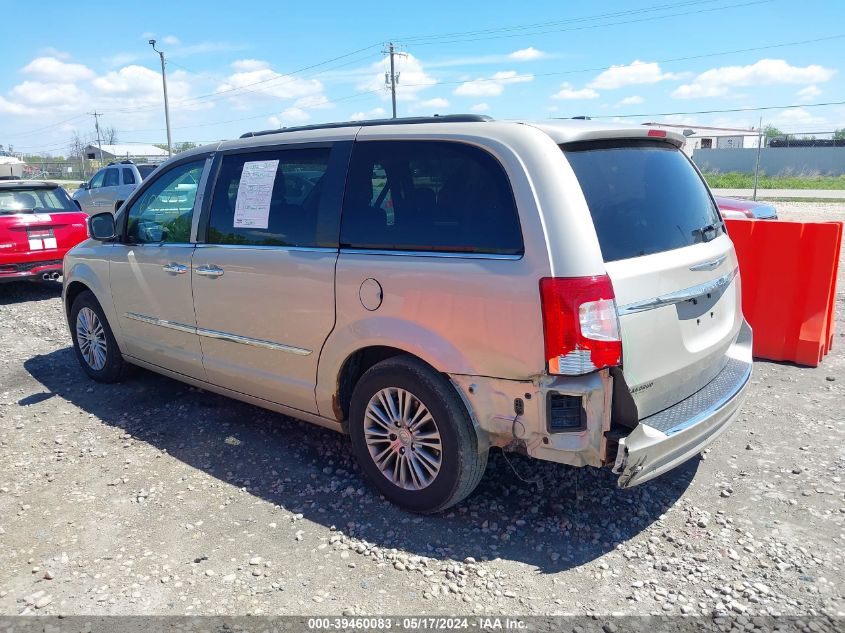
(97, 116)
(759, 148)
(166, 104)
(392, 78)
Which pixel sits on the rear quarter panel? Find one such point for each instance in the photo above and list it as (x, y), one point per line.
(470, 316)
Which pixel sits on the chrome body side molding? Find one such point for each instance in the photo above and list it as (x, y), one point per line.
(224, 336)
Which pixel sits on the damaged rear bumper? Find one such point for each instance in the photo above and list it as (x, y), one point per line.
(668, 438)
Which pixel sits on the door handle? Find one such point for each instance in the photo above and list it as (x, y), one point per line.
(173, 267)
(210, 271)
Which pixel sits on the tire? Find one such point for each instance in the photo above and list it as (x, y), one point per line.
(426, 488)
(100, 358)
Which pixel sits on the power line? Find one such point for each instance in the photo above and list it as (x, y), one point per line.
(589, 18)
(658, 61)
(46, 127)
(289, 76)
(591, 26)
(780, 107)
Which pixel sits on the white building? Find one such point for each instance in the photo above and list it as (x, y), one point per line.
(120, 151)
(704, 137)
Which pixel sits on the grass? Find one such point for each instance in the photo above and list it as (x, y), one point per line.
(737, 180)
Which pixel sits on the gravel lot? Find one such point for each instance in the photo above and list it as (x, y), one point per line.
(152, 497)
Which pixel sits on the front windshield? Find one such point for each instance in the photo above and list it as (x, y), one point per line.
(35, 200)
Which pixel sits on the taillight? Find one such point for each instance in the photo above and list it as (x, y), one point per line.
(580, 324)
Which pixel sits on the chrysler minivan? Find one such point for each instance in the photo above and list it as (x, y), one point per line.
(434, 288)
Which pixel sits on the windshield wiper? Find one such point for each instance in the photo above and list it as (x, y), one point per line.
(708, 232)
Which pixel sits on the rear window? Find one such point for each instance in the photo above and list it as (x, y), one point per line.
(645, 197)
(146, 170)
(35, 201)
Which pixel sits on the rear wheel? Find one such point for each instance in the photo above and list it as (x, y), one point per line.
(95, 346)
(413, 437)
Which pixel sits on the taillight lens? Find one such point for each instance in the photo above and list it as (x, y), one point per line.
(580, 324)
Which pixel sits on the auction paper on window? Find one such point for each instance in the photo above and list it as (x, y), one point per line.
(252, 207)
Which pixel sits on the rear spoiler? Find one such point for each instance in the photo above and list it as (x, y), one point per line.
(597, 132)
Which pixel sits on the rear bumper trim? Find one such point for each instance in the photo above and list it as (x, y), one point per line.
(668, 438)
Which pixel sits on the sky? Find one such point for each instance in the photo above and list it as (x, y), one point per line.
(238, 67)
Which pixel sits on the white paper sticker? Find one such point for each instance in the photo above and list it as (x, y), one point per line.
(252, 207)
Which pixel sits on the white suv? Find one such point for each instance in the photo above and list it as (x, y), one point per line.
(434, 288)
(109, 187)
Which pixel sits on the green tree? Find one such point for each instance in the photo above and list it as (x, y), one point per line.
(770, 131)
(839, 134)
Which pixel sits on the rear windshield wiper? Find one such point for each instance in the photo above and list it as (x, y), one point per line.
(708, 232)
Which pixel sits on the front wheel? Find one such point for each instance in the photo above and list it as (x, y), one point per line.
(413, 437)
(95, 346)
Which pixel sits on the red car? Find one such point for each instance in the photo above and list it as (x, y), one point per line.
(39, 223)
(750, 209)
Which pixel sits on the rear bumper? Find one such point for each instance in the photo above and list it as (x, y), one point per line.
(668, 438)
(29, 270)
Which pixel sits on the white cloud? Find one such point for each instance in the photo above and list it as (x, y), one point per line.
(491, 86)
(139, 86)
(38, 94)
(290, 115)
(255, 80)
(632, 100)
(430, 104)
(54, 52)
(527, 54)
(412, 77)
(718, 82)
(121, 59)
(171, 40)
(809, 93)
(569, 93)
(14, 107)
(369, 114)
(480, 107)
(313, 102)
(53, 69)
(246, 65)
(796, 116)
(635, 73)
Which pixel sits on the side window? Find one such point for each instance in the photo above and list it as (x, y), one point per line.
(97, 179)
(428, 196)
(112, 178)
(164, 210)
(128, 176)
(268, 198)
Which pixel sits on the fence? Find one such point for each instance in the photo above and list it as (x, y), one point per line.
(773, 160)
(60, 170)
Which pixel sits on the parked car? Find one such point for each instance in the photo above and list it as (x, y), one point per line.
(447, 285)
(745, 209)
(39, 223)
(110, 186)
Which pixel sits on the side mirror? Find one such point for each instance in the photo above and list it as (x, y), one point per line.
(101, 226)
(83, 185)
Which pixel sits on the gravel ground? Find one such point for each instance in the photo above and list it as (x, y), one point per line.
(152, 497)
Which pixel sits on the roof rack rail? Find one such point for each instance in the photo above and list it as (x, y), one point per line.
(412, 120)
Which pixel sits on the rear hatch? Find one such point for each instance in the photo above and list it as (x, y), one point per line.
(38, 220)
(46, 233)
(673, 267)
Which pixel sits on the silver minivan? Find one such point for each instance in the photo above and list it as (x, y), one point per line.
(433, 287)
